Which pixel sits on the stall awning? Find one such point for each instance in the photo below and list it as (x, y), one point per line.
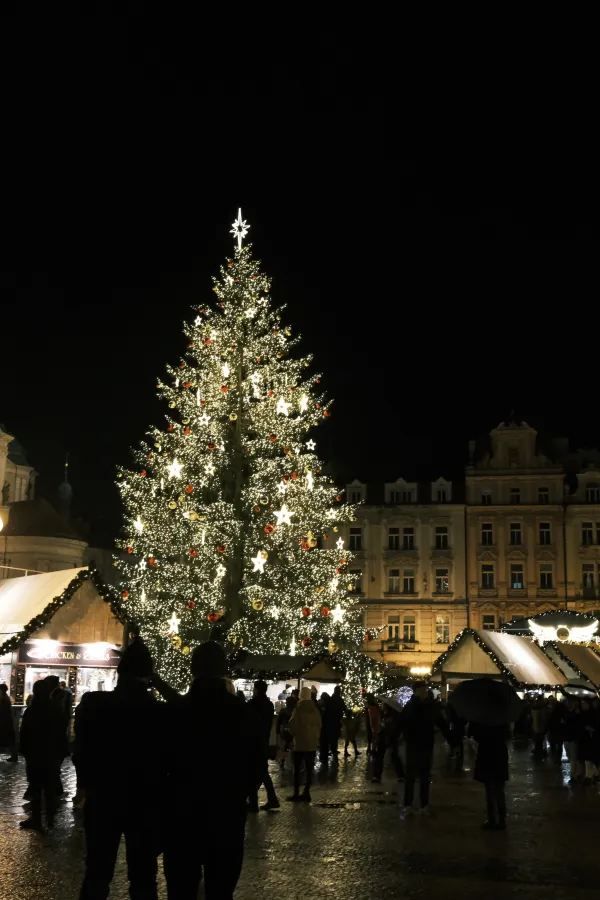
(254, 665)
(582, 661)
(518, 659)
(22, 599)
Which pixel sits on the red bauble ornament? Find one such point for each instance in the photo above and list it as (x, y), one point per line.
(269, 528)
(272, 438)
(143, 473)
(187, 384)
(325, 611)
(306, 611)
(317, 405)
(220, 548)
(124, 595)
(189, 488)
(339, 498)
(256, 509)
(151, 560)
(294, 476)
(187, 430)
(207, 342)
(193, 552)
(368, 636)
(306, 642)
(224, 389)
(285, 478)
(270, 393)
(326, 413)
(182, 365)
(191, 604)
(130, 549)
(211, 445)
(170, 427)
(213, 617)
(304, 545)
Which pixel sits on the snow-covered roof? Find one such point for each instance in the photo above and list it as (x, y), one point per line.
(583, 660)
(22, 599)
(494, 653)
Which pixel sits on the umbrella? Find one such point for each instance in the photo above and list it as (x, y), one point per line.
(486, 701)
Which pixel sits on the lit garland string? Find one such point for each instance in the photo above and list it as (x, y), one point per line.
(556, 647)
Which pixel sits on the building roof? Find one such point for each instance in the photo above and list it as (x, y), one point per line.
(16, 453)
(583, 661)
(29, 603)
(517, 659)
(253, 665)
(22, 599)
(38, 518)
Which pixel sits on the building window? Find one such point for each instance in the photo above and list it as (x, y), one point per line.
(408, 539)
(587, 576)
(409, 629)
(487, 534)
(355, 539)
(393, 538)
(393, 627)
(515, 534)
(442, 629)
(545, 533)
(546, 578)
(513, 456)
(486, 498)
(587, 533)
(395, 497)
(393, 581)
(441, 538)
(543, 495)
(488, 622)
(442, 581)
(515, 496)
(487, 577)
(440, 495)
(517, 582)
(408, 581)
(357, 581)
(592, 493)
(355, 497)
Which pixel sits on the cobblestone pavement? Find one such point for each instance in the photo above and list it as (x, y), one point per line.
(353, 843)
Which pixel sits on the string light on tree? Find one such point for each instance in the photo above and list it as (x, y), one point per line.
(340, 543)
(138, 525)
(310, 445)
(303, 403)
(283, 407)
(259, 561)
(175, 469)
(284, 515)
(174, 623)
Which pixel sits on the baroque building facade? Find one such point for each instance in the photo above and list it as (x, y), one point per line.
(522, 537)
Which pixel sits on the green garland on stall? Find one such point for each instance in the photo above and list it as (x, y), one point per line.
(571, 613)
(236, 667)
(108, 594)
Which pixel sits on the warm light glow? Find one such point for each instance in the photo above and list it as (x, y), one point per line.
(420, 670)
(174, 469)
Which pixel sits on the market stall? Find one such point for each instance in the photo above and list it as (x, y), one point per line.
(577, 662)
(517, 660)
(66, 623)
(283, 673)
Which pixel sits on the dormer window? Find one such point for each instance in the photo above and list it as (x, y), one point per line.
(592, 493)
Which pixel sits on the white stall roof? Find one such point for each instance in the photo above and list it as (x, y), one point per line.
(491, 652)
(21, 599)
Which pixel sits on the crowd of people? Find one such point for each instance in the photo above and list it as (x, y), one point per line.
(180, 777)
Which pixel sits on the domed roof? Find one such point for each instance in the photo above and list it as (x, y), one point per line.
(37, 518)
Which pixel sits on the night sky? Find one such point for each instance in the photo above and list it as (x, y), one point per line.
(439, 256)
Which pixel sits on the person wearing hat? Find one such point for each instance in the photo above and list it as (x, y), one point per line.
(121, 749)
(216, 764)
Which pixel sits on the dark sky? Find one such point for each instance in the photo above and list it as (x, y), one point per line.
(433, 232)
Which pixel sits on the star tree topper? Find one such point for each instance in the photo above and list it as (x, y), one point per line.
(239, 229)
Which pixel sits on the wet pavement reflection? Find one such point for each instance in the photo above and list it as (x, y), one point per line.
(352, 842)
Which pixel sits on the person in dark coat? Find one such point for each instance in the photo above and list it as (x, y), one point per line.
(7, 724)
(264, 712)
(217, 762)
(329, 729)
(339, 709)
(457, 728)
(388, 739)
(120, 746)
(418, 722)
(491, 768)
(59, 699)
(556, 728)
(42, 742)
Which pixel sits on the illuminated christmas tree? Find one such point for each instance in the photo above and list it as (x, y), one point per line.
(232, 528)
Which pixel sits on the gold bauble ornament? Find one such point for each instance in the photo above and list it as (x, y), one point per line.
(257, 604)
(331, 647)
(194, 516)
(264, 500)
(172, 504)
(233, 417)
(185, 650)
(172, 404)
(176, 641)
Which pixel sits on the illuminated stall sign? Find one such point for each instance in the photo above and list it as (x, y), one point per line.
(56, 653)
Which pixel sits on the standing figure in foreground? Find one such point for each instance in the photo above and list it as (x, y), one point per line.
(217, 762)
(120, 742)
(305, 726)
(264, 713)
(7, 724)
(420, 717)
(491, 768)
(42, 743)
